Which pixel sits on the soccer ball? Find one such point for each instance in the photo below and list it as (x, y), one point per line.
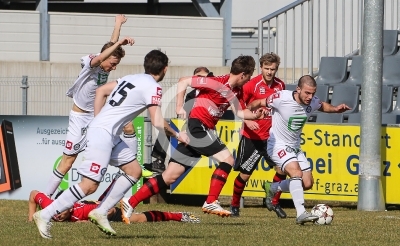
(324, 212)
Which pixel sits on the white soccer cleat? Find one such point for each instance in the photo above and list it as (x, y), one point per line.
(215, 208)
(126, 210)
(101, 221)
(189, 218)
(42, 225)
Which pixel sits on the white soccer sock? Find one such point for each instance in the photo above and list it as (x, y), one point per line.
(297, 192)
(284, 185)
(54, 182)
(65, 201)
(117, 192)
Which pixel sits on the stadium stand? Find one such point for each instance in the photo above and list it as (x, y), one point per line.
(291, 87)
(387, 99)
(356, 68)
(390, 42)
(391, 70)
(348, 94)
(332, 70)
(329, 118)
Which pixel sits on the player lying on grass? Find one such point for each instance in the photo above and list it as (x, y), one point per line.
(80, 211)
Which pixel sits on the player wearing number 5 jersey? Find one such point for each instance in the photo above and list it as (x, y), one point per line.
(94, 73)
(129, 97)
(290, 111)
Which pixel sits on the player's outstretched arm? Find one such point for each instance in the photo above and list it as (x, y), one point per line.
(183, 84)
(119, 20)
(329, 108)
(32, 204)
(101, 95)
(158, 121)
(96, 61)
(256, 104)
(246, 114)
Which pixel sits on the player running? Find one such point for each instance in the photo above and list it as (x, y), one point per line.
(290, 111)
(94, 73)
(255, 133)
(215, 96)
(130, 96)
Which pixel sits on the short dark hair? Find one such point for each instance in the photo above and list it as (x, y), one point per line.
(155, 62)
(118, 53)
(308, 80)
(243, 64)
(200, 69)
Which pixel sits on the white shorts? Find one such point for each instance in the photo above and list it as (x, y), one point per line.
(76, 131)
(283, 154)
(102, 149)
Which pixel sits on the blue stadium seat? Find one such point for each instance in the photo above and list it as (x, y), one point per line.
(387, 99)
(329, 118)
(391, 70)
(355, 76)
(332, 70)
(348, 94)
(354, 118)
(290, 87)
(390, 42)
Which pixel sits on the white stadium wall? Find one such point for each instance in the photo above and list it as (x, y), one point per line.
(188, 41)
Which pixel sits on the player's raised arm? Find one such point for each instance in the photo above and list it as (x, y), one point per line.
(119, 20)
(101, 96)
(183, 84)
(96, 61)
(257, 104)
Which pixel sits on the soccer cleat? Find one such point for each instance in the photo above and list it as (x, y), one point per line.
(126, 210)
(156, 166)
(189, 218)
(215, 208)
(306, 217)
(146, 173)
(101, 221)
(235, 211)
(268, 201)
(42, 225)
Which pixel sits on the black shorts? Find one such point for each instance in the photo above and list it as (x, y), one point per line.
(249, 153)
(203, 141)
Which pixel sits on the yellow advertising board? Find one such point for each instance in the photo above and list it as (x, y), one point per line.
(332, 150)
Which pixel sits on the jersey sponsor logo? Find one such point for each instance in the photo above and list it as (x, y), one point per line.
(95, 168)
(68, 145)
(201, 80)
(102, 78)
(296, 123)
(281, 153)
(159, 91)
(262, 90)
(77, 146)
(156, 100)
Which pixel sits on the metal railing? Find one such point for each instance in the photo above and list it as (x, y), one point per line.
(306, 30)
(46, 96)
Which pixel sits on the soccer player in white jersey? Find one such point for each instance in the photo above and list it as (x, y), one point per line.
(290, 111)
(129, 96)
(94, 73)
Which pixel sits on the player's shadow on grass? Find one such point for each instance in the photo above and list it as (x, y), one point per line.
(161, 236)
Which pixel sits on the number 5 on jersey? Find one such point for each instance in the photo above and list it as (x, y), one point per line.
(116, 100)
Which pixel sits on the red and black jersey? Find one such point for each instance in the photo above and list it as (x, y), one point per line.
(81, 211)
(255, 89)
(214, 98)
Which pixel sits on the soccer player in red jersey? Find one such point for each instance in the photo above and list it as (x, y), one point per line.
(255, 133)
(80, 212)
(215, 96)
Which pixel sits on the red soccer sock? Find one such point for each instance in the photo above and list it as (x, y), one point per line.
(155, 216)
(218, 180)
(238, 188)
(277, 178)
(150, 188)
